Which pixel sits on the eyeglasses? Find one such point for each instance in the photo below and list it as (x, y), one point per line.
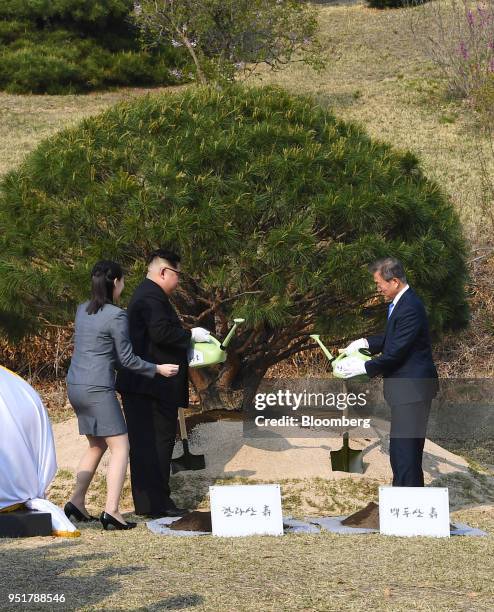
(177, 272)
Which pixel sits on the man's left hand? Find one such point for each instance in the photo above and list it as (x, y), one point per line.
(199, 334)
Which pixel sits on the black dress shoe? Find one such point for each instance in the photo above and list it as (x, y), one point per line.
(71, 510)
(171, 511)
(174, 511)
(107, 520)
(151, 515)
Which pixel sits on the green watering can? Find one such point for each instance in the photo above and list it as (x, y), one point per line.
(362, 354)
(345, 459)
(203, 354)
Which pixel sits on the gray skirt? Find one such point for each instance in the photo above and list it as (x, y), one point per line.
(97, 409)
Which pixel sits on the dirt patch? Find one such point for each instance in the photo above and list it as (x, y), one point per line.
(367, 518)
(195, 417)
(194, 521)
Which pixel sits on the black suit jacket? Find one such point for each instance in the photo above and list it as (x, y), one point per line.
(157, 335)
(406, 362)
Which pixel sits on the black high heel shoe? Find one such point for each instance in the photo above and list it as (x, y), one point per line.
(71, 510)
(109, 520)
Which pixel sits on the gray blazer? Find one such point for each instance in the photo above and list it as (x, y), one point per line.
(102, 345)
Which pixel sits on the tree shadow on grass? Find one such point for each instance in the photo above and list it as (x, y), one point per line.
(178, 602)
(42, 569)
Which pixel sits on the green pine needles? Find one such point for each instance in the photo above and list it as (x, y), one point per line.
(275, 205)
(70, 46)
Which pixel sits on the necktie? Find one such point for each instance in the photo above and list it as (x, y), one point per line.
(390, 309)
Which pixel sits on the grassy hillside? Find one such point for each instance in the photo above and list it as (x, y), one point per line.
(380, 76)
(26, 120)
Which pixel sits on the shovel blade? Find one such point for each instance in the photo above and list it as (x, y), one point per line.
(188, 461)
(347, 461)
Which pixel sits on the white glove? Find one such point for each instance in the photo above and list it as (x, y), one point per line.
(349, 367)
(199, 334)
(356, 345)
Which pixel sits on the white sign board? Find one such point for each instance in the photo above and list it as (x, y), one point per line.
(414, 511)
(241, 510)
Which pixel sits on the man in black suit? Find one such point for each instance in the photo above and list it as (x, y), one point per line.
(406, 364)
(151, 406)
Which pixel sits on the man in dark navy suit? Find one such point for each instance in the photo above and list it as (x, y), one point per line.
(407, 367)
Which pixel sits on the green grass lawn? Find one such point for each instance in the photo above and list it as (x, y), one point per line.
(141, 571)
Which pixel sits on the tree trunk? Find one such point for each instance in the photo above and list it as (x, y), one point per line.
(250, 383)
(200, 74)
(204, 382)
(210, 399)
(208, 384)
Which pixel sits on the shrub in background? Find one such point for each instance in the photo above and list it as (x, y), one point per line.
(68, 46)
(385, 4)
(458, 36)
(228, 39)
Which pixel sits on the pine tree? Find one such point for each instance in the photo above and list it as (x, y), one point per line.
(275, 205)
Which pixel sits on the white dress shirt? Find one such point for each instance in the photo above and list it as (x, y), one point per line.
(399, 294)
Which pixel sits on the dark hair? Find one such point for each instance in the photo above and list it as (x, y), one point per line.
(388, 268)
(171, 257)
(103, 276)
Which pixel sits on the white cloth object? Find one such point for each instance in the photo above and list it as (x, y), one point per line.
(60, 524)
(333, 524)
(161, 526)
(291, 525)
(27, 449)
(199, 334)
(349, 367)
(356, 345)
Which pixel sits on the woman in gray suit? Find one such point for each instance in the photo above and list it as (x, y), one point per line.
(102, 345)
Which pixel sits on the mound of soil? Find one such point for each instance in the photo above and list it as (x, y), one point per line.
(193, 521)
(366, 518)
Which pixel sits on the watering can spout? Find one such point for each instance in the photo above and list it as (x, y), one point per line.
(325, 350)
(229, 336)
